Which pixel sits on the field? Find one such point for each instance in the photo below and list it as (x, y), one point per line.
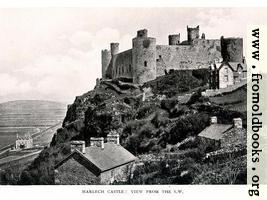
(21, 117)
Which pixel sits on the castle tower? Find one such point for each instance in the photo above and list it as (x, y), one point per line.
(174, 39)
(143, 57)
(232, 49)
(192, 34)
(114, 48)
(105, 60)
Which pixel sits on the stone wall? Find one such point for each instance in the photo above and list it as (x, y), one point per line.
(208, 144)
(122, 64)
(105, 60)
(234, 137)
(119, 174)
(178, 57)
(232, 49)
(144, 59)
(73, 173)
(226, 76)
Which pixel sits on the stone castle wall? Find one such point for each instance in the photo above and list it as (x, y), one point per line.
(105, 59)
(122, 64)
(147, 60)
(144, 59)
(179, 57)
(232, 49)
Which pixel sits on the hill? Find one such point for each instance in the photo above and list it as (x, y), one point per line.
(152, 120)
(27, 116)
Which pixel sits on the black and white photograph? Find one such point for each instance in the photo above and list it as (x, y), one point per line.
(125, 96)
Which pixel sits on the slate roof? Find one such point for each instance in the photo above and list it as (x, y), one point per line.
(215, 131)
(234, 65)
(99, 160)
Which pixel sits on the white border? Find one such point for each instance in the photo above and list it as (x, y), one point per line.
(133, 3)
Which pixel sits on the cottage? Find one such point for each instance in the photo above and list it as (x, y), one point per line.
(24, 142)
(226, 74)
(217, 136)
(100, 163)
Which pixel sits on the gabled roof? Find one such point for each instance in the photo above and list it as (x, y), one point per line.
(234, 66)
(226, 64)
(215, 131)
(99, 160)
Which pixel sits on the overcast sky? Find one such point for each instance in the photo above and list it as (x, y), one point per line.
(55, 53)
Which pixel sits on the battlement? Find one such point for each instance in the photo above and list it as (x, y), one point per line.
(192, 34)
(174, 39)
(114, 48)
(142, 33)
(146, 60)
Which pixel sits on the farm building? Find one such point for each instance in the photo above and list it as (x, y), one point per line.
(100, 163)
(225, 74)
(218, 136)
(25, 142)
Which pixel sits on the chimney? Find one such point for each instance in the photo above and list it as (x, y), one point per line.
(237, 122)
(78, 145)
(97, 142)
(213, 120)
(113, 137)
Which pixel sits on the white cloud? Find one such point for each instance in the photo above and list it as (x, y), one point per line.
(56, 53)
(10, 85)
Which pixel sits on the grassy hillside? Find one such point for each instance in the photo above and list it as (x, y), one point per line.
(154, 126)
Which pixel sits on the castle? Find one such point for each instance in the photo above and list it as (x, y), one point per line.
(147, 60)
(25, 142)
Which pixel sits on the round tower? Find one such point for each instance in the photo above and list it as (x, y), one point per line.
(105, 60)
(232, 49)
(174, 39)
(143, 57)
(192, 34)
(114, 48)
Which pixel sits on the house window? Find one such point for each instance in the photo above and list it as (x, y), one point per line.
(226, 70)
(145, 63)
(226, 78)
(159, 56)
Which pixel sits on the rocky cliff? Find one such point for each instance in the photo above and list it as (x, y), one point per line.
(153, 118)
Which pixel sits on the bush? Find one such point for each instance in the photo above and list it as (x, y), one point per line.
(190, 125)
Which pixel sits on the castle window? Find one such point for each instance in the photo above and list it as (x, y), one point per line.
(145, 63)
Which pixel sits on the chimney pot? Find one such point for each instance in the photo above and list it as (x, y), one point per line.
(113, 137)
(78, 144)
(97, 142)
(213, 120)
(237, 122)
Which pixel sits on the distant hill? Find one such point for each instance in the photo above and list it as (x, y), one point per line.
(28, 116)
(31, 113)
(31, 105)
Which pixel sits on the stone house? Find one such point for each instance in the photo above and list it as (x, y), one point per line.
(222, 136)
(24, 142)
(225, 74)
(100, 163)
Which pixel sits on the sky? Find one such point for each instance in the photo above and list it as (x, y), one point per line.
(55, 53)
